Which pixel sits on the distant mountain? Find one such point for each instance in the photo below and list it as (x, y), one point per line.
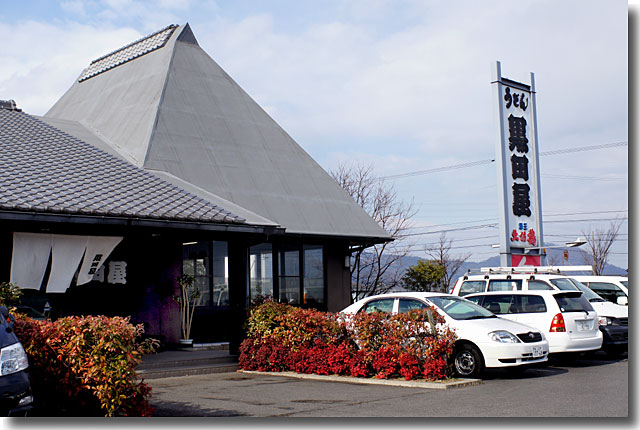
(575, 259)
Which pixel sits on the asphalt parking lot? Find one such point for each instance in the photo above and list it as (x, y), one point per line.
(591, 386)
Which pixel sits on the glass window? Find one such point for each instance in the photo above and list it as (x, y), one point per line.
(313, 275)
(572, 302)
(378, 305)
(529, 304)
(289, 264)
(607, 291)
(564, 284)
(261, 271)
(220, 296)
(407, 305)
(625, 283)
(539, 285)
(459, 308)
(469, 287)
(504, 284)
(208, 262)
(195, 262)
(587, 292)
(475, 300)
(499, 305)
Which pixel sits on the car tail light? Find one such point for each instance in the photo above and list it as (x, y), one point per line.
(557, 324)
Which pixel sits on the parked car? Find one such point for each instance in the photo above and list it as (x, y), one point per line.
(484, 340)
(15, 387)
(612, 288)
(566, 318)
(613, 321)
(613, 318)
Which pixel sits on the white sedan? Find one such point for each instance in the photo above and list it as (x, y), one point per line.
(484, 340)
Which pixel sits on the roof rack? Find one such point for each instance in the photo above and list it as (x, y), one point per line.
(537, 269)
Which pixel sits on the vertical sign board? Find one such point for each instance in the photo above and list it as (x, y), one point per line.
(518, 172)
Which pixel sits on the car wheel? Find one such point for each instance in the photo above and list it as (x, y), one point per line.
(467, 361)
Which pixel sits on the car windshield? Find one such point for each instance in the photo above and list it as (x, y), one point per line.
(625, 283)
(587, 292)
(460, 309)
(564, 284)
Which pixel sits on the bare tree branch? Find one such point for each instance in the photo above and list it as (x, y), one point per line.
(440, 254)
(373, 271)
(599, 242)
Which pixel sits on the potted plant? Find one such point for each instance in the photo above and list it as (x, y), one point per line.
(189, 294)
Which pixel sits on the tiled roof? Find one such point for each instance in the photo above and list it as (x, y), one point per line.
(45, 170)
(127, 53)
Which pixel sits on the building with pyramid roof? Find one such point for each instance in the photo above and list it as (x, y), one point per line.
(155, 163)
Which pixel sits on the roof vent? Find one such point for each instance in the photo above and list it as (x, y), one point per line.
(9, 105)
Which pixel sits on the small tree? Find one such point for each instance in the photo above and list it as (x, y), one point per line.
(10, 294)
(599, 242)
(189, 294)
(440, 254)
(425, 275)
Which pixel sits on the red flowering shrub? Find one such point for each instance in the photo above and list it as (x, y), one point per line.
(409, 366)
(86, 365)
(435, 369)
(385, 362)
(281, 337)
(339, 358)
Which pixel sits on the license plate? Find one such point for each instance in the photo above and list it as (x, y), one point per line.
(537, 352)
(583, 325)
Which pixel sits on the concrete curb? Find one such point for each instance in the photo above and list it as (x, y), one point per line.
(445, 385)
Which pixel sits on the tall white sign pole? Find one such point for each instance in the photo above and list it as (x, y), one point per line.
(518, 169)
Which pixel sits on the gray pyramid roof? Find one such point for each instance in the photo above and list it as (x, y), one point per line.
(44, 170)
(168, 107)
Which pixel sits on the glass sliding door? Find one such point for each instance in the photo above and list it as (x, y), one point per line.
(261, 272)
(313, 269)
(289, 267)
(220, 293)
(195, 262)
(208, 263)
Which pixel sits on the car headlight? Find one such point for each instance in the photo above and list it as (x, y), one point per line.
(503, 336)
(13, 359)
(605, 320)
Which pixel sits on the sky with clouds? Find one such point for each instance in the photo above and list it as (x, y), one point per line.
(402, 85)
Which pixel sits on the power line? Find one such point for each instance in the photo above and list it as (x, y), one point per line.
(481, 162)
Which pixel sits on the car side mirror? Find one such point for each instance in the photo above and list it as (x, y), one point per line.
(622, 300)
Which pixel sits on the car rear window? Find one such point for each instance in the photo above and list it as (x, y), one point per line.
(572, 302)
(469, 287)
(504, 284)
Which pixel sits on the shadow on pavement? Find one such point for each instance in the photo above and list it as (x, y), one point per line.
(176, 409)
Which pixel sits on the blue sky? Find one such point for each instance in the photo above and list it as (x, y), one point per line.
(402, 85)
